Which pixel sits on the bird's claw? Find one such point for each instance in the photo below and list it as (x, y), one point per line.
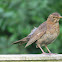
(48, 53)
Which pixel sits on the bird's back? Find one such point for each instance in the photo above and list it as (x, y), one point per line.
(41, 28)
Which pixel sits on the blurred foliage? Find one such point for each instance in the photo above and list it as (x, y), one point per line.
(18, 18)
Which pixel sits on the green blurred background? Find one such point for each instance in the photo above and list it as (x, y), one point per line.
(19, 17)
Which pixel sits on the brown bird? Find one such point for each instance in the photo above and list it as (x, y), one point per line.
(45, 34)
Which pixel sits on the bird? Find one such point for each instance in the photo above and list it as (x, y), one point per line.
(45, 34)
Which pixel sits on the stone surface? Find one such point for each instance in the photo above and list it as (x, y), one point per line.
(31, 58)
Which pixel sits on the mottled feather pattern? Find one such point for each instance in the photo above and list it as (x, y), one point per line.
(45, 34)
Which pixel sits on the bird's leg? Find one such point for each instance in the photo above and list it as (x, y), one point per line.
(47, 49)
(40, 48)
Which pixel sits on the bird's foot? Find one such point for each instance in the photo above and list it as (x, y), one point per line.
(52, 53)
(49, 53)
(44, 53)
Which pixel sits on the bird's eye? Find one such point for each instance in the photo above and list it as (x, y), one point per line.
(53, 17)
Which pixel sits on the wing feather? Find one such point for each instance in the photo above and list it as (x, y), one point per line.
(39, 32)
(36, 37)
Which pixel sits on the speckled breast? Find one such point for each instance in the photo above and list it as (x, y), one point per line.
(49, 36)
(52, 33)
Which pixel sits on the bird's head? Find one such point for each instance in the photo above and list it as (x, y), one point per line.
(54, 17)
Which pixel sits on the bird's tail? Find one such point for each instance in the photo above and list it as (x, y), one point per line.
(24, 40)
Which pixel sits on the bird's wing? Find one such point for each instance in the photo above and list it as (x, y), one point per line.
(32, 32)
(40, 31)
(36, 37)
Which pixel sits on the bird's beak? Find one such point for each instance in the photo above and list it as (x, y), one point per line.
(60, 17)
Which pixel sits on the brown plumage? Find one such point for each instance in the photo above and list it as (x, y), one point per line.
(46, 33)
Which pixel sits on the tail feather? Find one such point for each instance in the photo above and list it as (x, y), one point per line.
(21, 41)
